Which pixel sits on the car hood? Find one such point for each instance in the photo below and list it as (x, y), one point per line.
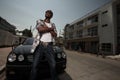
(26, 49)
(23, 49)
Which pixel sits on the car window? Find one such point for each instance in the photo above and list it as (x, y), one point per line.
(28, 41)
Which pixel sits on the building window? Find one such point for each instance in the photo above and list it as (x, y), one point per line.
(118, 9)
(80, 24)
(93, 19)
(72, 27)
(104, 25)
(104, 12)
(93, 31)
(118, 40)
(70, 35)
(106, 47)
(79, 33)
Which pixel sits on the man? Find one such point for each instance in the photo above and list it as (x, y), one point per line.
(47, 32)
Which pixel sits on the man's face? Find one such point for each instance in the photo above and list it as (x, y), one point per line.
(48, 14)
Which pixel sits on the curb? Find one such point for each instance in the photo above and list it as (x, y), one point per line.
(116, 57)
(2, 69)
(113, 58)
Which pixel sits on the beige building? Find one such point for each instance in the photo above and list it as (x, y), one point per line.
(98, 31)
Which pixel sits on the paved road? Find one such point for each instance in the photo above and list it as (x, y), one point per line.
(85, 66)
(3, 55)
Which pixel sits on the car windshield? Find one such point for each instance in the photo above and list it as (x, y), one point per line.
(57, 49)
(28, 41)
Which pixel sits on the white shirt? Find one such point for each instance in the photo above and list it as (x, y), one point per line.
(47, 37)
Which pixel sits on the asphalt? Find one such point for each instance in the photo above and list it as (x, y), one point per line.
(2, 68)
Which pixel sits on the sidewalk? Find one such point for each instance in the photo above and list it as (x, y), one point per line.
(115, 57)
(3, 57)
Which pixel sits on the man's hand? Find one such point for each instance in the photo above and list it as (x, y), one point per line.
(53, 33)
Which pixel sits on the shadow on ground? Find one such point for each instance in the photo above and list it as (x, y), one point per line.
(62, 76)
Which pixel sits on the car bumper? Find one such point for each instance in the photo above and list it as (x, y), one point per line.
(22, 72)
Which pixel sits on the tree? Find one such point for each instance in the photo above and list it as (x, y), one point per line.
(27, 33)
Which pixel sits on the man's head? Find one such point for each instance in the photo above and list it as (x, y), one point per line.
(48, 14)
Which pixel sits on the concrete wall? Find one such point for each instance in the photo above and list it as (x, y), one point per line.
(7, 38)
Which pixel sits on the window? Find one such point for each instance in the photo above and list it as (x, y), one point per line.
(79, 33)
(93, 31)
(104, 25)
(104, 12)
(93, 19)
(106, 47)
(118, 9)
(118, 40)
(80, 24)
(70, 35)
(72, 27)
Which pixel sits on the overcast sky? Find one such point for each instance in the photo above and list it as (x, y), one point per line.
(24, 13)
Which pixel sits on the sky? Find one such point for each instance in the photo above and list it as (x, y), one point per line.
(24, 13)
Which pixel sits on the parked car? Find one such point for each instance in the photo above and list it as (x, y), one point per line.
(20, 59)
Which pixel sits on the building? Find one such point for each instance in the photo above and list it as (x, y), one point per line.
(7, 33)
(97, 31)
(4, 25)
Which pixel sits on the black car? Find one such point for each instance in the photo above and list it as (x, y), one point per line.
(19, 61)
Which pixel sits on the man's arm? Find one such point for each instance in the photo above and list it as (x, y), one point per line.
(41, 27)
(54, 32)
(44, 29)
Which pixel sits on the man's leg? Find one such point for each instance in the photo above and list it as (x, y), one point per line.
(49, 53)
(34, 69)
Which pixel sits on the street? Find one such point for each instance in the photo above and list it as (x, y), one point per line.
(86, 66)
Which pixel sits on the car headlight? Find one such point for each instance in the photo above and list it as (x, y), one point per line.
(63, 55)
(59, 55)
(20, 58)
(11, 57)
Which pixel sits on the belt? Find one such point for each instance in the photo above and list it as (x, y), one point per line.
(46, 43)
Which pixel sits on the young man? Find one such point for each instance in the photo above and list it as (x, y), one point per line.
(47, 32)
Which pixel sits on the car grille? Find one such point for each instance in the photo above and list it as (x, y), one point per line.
(30, 58)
